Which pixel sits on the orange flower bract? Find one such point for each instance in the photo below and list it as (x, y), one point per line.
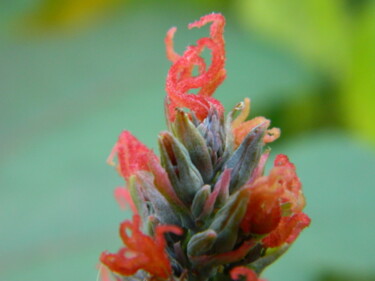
(180, 77)
(141, 251)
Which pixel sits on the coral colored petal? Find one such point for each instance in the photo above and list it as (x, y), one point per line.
(283, 160)
(263, 212)
(241, 131)
(225, 258)
(171, 54)
(141, 251)
(215, 30)
(272, 196)
(272, 135)
(287, 231)
(239, 271)
(132, 155)
(241, 128)
(180, 79)
(284, 174)
(303, 221)
(162, 229)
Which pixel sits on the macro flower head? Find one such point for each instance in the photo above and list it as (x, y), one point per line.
(204, 209)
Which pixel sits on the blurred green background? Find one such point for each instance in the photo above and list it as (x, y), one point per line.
(74, 73)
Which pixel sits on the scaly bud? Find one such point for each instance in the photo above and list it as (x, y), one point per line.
(199, 201)
(195, 144)
(245, 159)
(201, 242)
(184, 176)
(217, 198)
(214, 133)
(227, 221)
(158, 204)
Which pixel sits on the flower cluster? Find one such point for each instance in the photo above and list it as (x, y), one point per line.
(204, 210)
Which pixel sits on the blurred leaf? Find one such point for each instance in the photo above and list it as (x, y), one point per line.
(336, 36)
(61, 15)
(66, 14)
(359, 84)
(315, 29)
(304, 112)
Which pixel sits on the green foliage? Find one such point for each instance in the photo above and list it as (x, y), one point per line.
(333, 37)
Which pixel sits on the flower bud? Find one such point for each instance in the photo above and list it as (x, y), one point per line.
(184, 176)
(227, 220)
(199, 201)
(191, 138)
(245, 159)
(160, 207)
(201, 242)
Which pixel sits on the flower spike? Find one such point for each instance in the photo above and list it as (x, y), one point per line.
(206, 208)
